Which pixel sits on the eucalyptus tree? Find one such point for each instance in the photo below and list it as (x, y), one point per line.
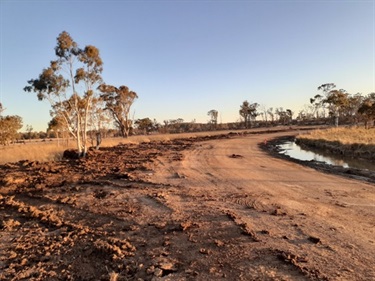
(367, 109)
(334, 100)
(351, 110)
(318, 101)
(119, 101)
(29, 130)
(248, 111)
(213, 117)
(271, 113)
(263, 113)
(57, 126)
(9, 126)
(145, 125)
(69, 84)
(285, 116)
(337, 101)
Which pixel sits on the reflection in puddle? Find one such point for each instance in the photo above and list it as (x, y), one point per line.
(295, 151)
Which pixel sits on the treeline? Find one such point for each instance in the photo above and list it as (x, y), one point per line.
(86, 109)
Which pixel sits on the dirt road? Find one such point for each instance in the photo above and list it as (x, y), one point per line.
(219, 209)
(274, 219)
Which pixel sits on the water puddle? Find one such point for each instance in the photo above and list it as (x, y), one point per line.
(293, 150)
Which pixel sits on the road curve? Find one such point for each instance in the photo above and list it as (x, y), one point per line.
(300, 224)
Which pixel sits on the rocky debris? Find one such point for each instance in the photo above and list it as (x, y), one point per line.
(104, 217)
(235, 156)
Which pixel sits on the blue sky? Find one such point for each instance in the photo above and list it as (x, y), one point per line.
(184, 58)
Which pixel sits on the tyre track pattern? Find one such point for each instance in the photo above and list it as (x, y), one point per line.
(103, 217)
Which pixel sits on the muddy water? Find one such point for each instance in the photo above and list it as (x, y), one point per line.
(295, 151)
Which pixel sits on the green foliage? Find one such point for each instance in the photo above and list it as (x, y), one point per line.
(333, 100)
(340, 104)
(285, 116)
(367, 109)
(248, 111)
(213, 115)
(118, 101)
(9, 126)
(145, 124)
(73, 69)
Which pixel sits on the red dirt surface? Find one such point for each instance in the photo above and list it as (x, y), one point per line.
(208, 208)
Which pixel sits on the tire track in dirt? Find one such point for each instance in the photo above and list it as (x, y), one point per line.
(282, 206)
(183, 210)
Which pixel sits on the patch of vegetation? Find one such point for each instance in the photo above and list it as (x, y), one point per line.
(354, 142)
(343, 135)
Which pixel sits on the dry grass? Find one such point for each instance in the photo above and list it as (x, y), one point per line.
(33, 151)
(351, 142)
(53, 150)
(343, 135)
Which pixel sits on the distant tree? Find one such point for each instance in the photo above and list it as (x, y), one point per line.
(289, 115)
(367, 109)
(9, 126)
(248, 111)
(306, 114)
(318, 101)
(336, 101)
(175, 126)
(29, 130)
(119, 101)
(56, 125)
(264, 113)
(271, 114)
(351, 109)
(284, 115)
(74, 69)
(144, 124)
(213, 117)
(326, 88)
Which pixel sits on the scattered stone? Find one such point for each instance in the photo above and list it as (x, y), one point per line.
(158, 272)
(235, 156)
(204, 251)
(219, 243)
(278, 212)
(314, 240)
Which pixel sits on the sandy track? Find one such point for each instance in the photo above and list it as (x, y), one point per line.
(323, 224)
(219, 209)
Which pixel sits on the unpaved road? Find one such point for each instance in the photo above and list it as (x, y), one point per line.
(214, 209)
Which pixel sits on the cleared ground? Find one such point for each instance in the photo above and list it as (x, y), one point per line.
(216, 208)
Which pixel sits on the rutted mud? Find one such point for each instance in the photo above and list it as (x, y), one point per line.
(211, 208)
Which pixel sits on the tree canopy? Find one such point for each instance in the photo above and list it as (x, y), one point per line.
(119, 101)
(9, 126)
(69, 84)
(248, 111)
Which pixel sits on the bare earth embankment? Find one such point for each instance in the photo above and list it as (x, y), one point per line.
(216, 208)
